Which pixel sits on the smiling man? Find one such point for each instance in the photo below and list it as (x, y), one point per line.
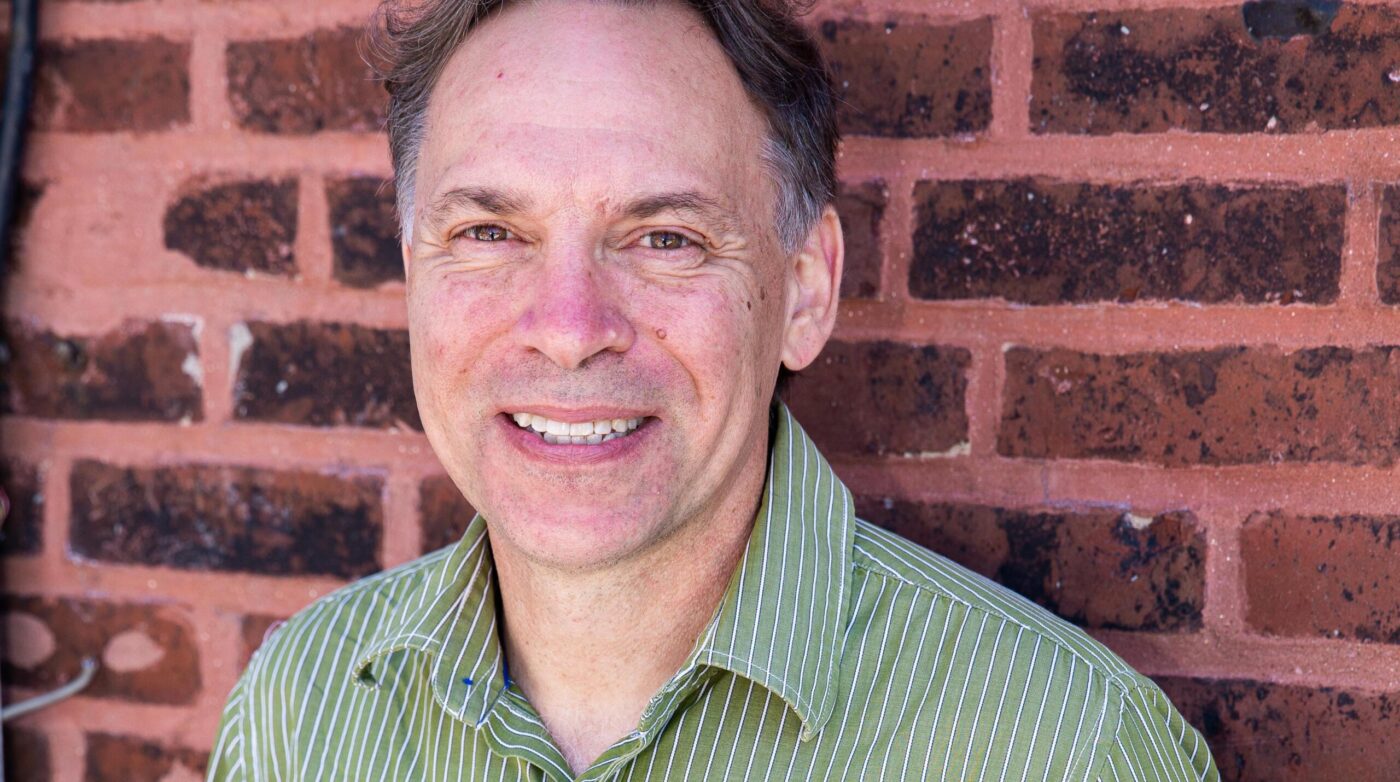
(617, 228)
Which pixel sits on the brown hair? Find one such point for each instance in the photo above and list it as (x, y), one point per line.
(776, 60)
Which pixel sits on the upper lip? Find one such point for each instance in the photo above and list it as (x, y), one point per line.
(576, 415)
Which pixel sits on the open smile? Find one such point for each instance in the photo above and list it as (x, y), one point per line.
(554, 432)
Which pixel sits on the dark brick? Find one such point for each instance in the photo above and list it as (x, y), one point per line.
(200, 517)
(861, 207)
(146, 651)
(909, 79)
(141, 371)
(128, 759)
(255, 630)
(364, 231)
(1323, 576)
(1266, 732)
(883, 397)
(26, 755)
(238, 226)
(1388, 269)
(27, 195)
(326, 374)
(102, 86)
(304, 85)
(1100, 569)
(443, 513)
(1223, 406)
(1200, 70)
(23, 529)
(1037, 241)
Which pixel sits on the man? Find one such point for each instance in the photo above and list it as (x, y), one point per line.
(617, 228)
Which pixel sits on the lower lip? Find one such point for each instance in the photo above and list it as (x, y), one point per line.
(530, 442)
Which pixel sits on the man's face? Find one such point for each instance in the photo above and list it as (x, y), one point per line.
(594, 249)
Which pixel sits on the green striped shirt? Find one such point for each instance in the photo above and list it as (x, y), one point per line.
(839, 651)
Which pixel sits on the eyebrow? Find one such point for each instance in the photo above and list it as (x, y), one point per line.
(505, 202)
(487, 199)
(682, 201)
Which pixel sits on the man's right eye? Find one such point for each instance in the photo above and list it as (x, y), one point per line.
(487, 233)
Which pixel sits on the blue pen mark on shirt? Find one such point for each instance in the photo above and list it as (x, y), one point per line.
(467, 680)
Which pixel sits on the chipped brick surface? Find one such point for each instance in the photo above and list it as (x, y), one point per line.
(205, 517)
(905, 78)
(443, 513)
(326, 374)
(1200, 70)
(1265, 732)
(1099, 569)
(141, 371)
(112, 758)
(107, 85)
(26, 755)
(861, 208)
(147, 650)
(247, 226)
(1223, 406)
(1388, 261)
(364, 231)
(1332, 577)
(883, 397)
(305, 85)
(22, 531)
(1038, 241)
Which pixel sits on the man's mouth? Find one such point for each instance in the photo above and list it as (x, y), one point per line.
(582, 433)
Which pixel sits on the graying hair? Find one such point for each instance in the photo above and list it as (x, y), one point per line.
(777, 61)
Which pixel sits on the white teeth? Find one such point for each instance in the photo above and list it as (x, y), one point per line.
(580, 433)
(581, 430)
(617, 425)
(557, 428)
(539, 423)
(522, 419)
(593, 439)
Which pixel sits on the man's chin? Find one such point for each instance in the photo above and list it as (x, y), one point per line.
(574, 536)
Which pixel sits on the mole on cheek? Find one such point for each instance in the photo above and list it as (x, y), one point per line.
(499, 74)
(748, 305)
(661, 333)
(762, 293)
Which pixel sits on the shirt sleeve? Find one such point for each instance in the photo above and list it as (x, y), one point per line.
(1154, 743)
(227, 761)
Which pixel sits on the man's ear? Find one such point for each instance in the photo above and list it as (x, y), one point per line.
(814, 288)
(406, 248)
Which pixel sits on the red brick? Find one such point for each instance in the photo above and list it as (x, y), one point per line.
(140, 371)
(1040, 241)
(103, 86)
(304, 85)
(326, 374)
(364, 231)
(146, 651)
(1265, 732)
(22, 531)
(206, 517)
(247, 226)
(1100, 569)
(1388, 268)
(1323, 576)
(883, 397)
(255, 630)
(1210, 407)
(905, 78)
(127, 759)
(1148, 71)
(861, 208)
(26, 756)
(443, 513)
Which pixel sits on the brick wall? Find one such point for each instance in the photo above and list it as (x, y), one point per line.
(1120, 331)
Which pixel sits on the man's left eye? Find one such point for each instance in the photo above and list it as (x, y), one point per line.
(666, 240)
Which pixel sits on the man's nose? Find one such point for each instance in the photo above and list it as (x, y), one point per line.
(573, 313)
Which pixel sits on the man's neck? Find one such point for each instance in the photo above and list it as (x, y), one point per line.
(589, 650)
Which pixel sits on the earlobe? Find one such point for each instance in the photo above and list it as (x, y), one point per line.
(815, 277)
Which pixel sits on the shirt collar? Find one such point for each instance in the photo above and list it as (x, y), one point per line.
(780, 623)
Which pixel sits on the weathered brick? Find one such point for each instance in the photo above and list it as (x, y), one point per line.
(255, 630)
(1223, 406)
(205, 517)
(861, 207)
(1040, 241)
(883, 397)
(1100, 569)
(904, 78)
(147, 651)
(1388, 267)
(102, 86)
(22, 531)
(325, 374)
(1147, 71)
(26, 755)
(304, 85)
(1265, 732)
(27, 195)
(364, 231)
(443, 513)
(128, 759)
(141, 371)
(1323, 576)
(247, 226)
